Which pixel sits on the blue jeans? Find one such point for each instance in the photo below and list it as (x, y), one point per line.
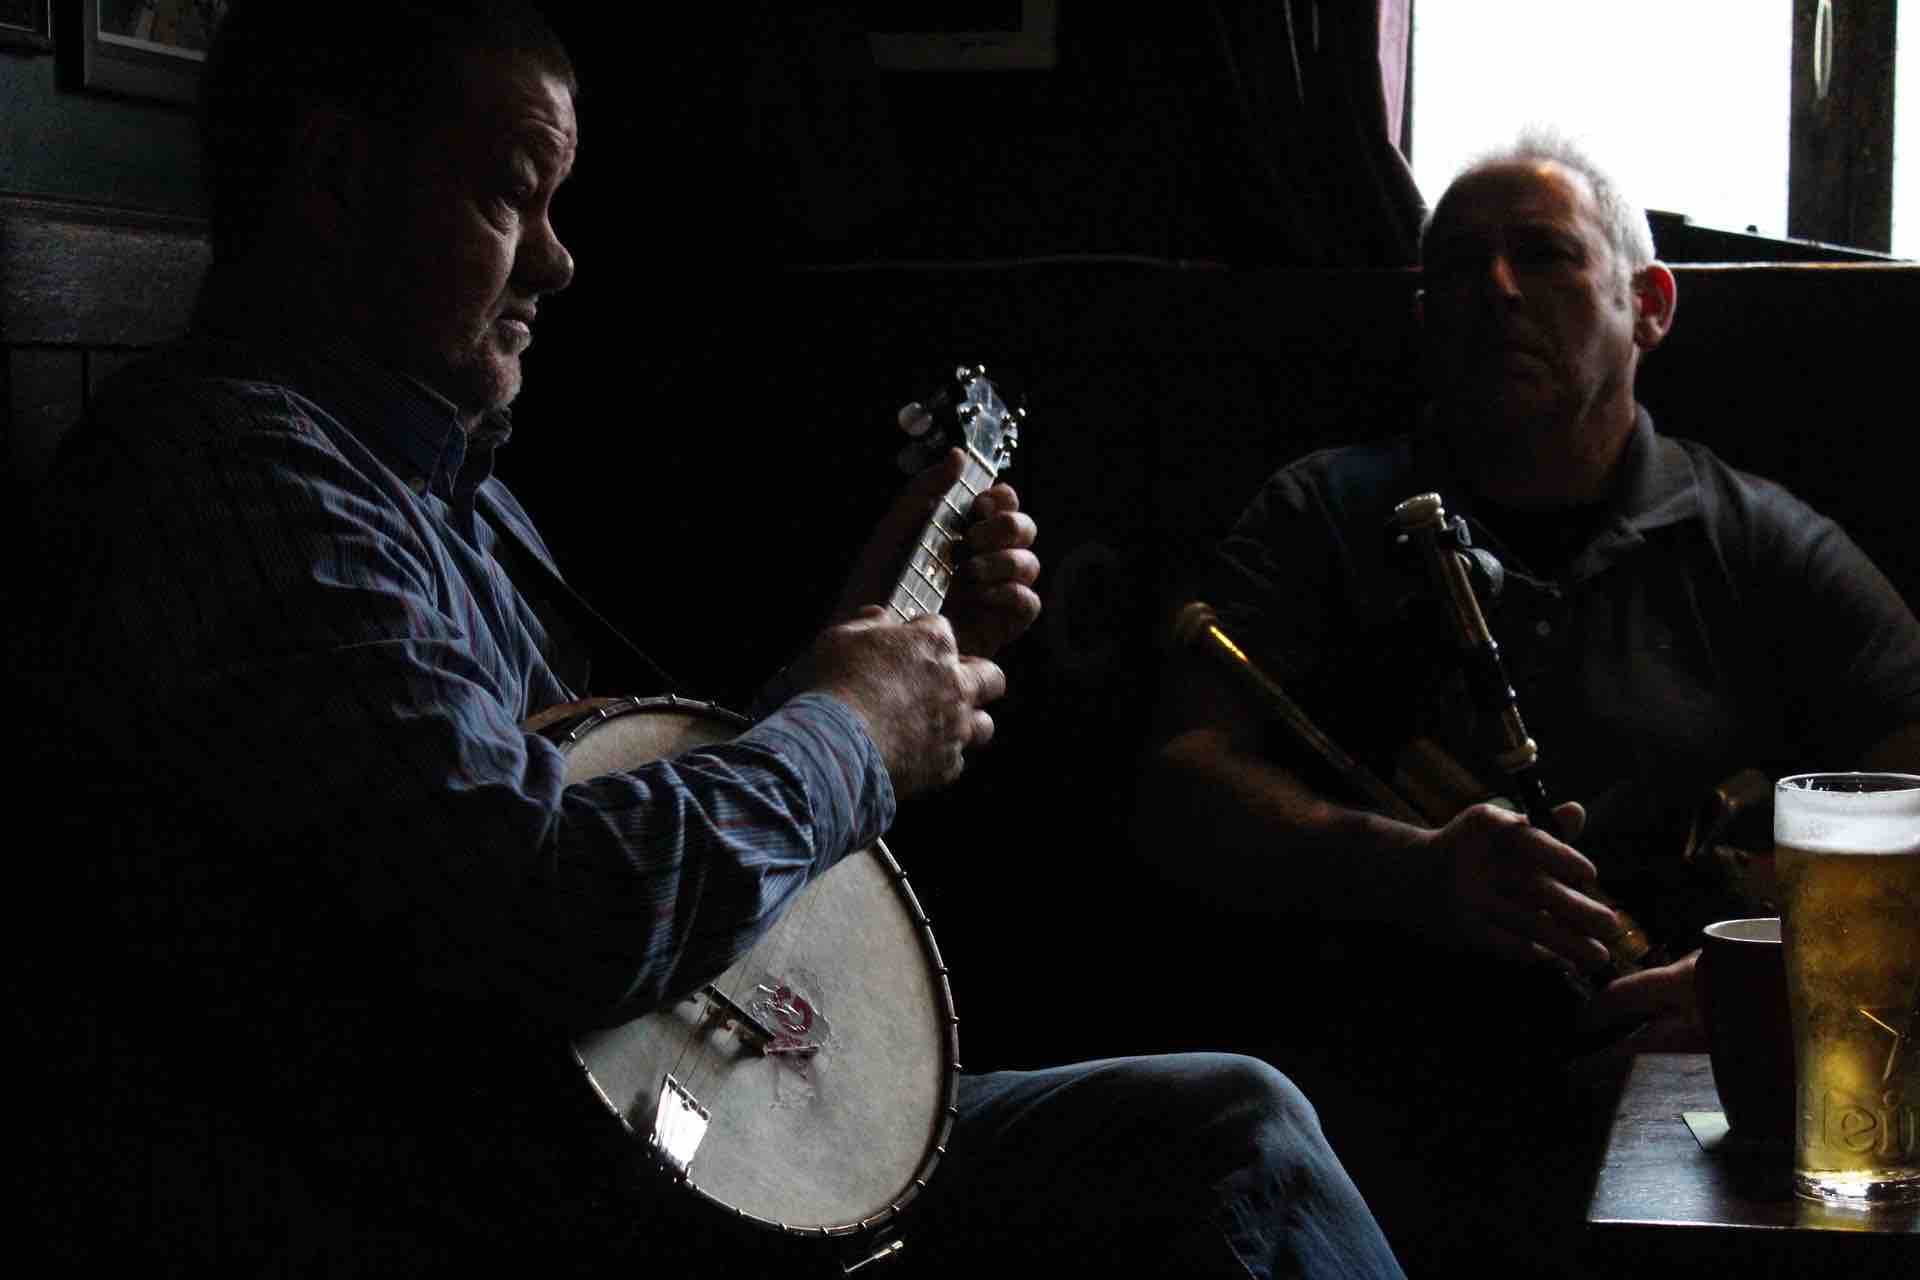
(1177, 1165)
(1193, 1164)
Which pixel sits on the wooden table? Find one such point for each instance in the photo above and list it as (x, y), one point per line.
(1673, 1193)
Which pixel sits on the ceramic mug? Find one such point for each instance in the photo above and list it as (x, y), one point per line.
(1741, 981)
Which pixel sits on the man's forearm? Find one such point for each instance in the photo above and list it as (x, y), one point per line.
(1246, 830)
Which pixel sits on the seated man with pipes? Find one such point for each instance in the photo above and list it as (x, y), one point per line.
(1575, 651)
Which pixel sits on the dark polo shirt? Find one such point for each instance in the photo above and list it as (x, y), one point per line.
(1699, 622)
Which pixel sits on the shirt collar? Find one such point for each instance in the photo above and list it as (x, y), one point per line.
(410, 424)
(1656, 481)
(1655, 488)
(415, 429)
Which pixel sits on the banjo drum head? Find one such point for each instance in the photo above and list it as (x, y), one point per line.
(835, 1124)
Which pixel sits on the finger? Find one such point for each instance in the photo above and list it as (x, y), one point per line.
(994, 499)
(1011, 565)
(1517, 851)
(1587, 916)
(918, 501)
(1001, 531)
(1572, 817)
(987, 619)
(982, 681)
(1005, 604)
(1562, 861)
(1576, 947)
(1584, 952)
(982, 729)
(868, 617)
(877, 566)
(1632, 997)
(936, 623)
(1567, 922)
(932, 481)
(1665, 990)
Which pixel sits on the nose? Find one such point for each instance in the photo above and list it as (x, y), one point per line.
(545, 265)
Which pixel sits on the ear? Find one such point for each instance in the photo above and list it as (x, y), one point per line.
(1655, 295)
(328, 171)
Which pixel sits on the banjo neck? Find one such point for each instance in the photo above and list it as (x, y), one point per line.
(930, 568)
(986, 432)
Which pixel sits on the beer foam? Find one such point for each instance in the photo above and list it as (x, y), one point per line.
(1834, 821)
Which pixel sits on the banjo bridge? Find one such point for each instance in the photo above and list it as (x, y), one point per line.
(679, 1123)
(723, 1008)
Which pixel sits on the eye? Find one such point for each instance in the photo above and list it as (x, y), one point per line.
(1543, 251)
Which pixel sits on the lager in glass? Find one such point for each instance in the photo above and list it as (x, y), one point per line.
(1847, 854)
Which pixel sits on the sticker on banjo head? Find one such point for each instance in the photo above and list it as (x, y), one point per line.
(802, 1035)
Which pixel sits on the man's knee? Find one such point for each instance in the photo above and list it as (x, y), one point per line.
(1261, 1086)
(1247, 1102)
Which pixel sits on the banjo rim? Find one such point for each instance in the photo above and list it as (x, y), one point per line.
(566, 727)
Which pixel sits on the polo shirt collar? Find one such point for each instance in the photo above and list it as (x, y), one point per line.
(1655, 489)
(1656, 484)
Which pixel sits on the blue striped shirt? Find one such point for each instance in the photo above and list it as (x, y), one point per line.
(278, 624)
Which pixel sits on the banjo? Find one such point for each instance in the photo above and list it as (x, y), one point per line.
(809, 1089)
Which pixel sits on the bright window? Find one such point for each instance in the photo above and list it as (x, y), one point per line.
(1906, 126)
(1685, 102)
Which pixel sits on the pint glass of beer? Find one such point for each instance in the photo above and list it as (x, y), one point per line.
(1847, 854)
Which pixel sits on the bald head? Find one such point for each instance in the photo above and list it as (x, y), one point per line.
(1622, 220)
(1534, 321)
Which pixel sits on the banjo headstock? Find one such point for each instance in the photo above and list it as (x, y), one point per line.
(968, 413)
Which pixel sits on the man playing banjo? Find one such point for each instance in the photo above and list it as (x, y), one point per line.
(318, 875)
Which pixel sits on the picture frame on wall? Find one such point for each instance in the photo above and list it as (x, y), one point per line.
(151, 49)
(968, 35)
(26, 25)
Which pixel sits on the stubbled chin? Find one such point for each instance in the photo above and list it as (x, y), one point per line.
(481, 385)
(1503, 391)
(1498, 415)
(506, 384)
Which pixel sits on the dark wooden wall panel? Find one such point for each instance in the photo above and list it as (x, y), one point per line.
(103, 364)
(80, 275)
(1803, 375)
(82, 289)
(47, 388)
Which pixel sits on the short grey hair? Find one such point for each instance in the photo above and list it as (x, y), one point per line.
(1626, 222)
